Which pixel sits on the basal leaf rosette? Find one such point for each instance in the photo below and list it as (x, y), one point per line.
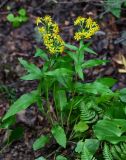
(86, 28)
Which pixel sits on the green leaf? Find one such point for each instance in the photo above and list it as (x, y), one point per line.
(21, 19)
(80, 57)
(61, 158)
(40, 53)
(22, 12)
(8, 122)
(30, 77)
(60, 99)
(40, 158)
(116, 12)
(72, 47)
(79, 146)
(10, 17)
(110, 130)
(92, 145)
(89, 50)
(107, 81)
(40, 142)
(22, 103)
(114, 6)
(123, 95)
(73, 55)
(59, 72)
(79, 71)
(93, 63)
(116, 110)
(32, 69)
(81, 127)
(16, 23)
(59, 135)
(94, 88)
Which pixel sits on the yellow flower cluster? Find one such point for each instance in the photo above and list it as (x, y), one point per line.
(87, 28)
(54, 43)
(50, 34)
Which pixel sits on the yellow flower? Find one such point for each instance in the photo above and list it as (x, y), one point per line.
(89, 22)
(79, 20)
(49, 32)
(55, 28)
(86, 28)
(54, 43)
(47, 19)
(77, 36)
(38, 20)
(41, 30)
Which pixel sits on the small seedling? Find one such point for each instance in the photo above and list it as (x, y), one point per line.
(18, 20)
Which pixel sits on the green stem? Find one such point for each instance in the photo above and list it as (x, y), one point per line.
(54, 90)
(68, 119)
(61, 118)
(40, 94)
(40, 103)
(48, 105)
(72, 132)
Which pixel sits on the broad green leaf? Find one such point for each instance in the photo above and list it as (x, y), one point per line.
(72, 47)
(92, 145)
(40, 53)
(81, 127)
(79, 146)
(94, 88)
(22, 103)
(115, 110)
(10, 17)
(79, 71)
(31, 68)
(107, 81)
(93, 63)
(110, 130)
(22, 12)
(123, 94)
(59, 135)
(60, 157)
(114, 6)
(40, 142)
(40, 158)
(60, 99)
(116, 11)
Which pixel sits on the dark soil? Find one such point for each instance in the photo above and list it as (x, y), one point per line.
(21, 42)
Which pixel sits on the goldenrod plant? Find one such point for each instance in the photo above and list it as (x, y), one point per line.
(89, 116)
